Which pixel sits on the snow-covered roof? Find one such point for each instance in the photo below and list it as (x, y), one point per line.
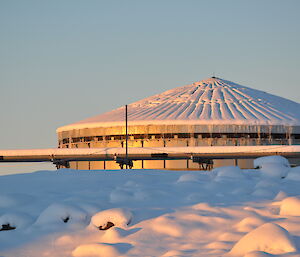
(212, 101)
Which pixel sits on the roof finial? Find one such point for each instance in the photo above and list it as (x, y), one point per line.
(213, 76)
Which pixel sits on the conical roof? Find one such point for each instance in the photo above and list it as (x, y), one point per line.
(211, 101)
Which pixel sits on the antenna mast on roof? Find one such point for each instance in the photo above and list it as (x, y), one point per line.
(126, 129)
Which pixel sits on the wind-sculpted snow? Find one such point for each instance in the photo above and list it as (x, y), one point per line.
(210, 101)
(133, 213)
(269, 237)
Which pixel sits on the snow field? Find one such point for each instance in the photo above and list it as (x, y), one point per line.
(226, 212)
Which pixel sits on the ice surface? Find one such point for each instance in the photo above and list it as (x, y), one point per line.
(210, 101)
(169, 213)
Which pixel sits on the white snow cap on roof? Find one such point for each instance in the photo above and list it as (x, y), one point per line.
(210, 101)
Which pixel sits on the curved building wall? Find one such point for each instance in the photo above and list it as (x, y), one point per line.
(175, 135)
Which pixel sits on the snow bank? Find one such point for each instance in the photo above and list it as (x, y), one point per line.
(270, 238)
(290, 206)
(95, 250)
(112, 217)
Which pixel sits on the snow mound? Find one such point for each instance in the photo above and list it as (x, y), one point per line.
(249, 223)
(58, 213)
(275, 159)
(267, 188)
(290, 206)
(267, 183)
(294, 174)
(188, 178)
(166, 226)
(118, 217)
(113, 235)
(95, 250)
(229, 237)
(15, 220)
(231, 172)
(274, 170)
(270, 238)
(273, 166)
(172, 253)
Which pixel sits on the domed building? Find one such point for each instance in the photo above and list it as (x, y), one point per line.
(211, 112)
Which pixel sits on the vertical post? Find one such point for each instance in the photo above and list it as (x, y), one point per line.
(126, 129)
(235, 162)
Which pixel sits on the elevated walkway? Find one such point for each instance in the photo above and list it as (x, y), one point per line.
(62, 156)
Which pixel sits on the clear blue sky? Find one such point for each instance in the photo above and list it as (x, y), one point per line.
(63, 61)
